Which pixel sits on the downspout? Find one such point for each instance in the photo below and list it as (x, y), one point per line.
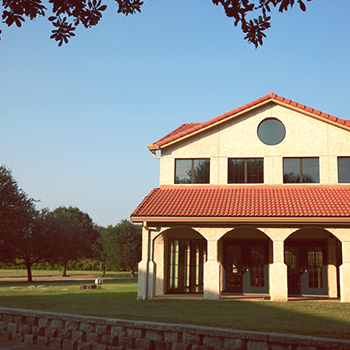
(149, 234)
(154, 154)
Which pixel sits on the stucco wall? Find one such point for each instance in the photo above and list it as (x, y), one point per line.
(305, 137)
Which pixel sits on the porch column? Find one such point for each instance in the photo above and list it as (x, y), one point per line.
(146, 267)
(212, 267)
(332, 269)
(344, 272)
(212, 272)
(278, 273)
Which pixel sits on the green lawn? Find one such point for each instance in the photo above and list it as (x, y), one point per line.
(45, 273)
(117, 299)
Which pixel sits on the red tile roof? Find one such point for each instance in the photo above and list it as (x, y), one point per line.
(187, 129)
(184, 128)
(250, 201)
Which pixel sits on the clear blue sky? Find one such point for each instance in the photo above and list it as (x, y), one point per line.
(76, 120)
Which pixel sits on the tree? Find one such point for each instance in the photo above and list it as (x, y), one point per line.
(14, 203)
(122, 245)
(98, 251)
(24, 236)
(292, 177)
(73, 235)
(250, 15)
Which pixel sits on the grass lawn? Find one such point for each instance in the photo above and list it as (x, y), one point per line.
(117, 299)
(47, 273)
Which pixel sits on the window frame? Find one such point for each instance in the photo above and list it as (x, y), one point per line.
(192, 172)
(338, 167)
(300, 170)
(245, 170)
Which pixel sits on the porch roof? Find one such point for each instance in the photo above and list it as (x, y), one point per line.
(251, 202)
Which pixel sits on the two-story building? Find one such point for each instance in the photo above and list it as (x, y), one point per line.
(253, 202)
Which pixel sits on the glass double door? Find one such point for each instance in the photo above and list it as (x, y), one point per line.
(306, 268)
(246, 267)
(186, 258)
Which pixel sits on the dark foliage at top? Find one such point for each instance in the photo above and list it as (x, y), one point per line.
(251, 15)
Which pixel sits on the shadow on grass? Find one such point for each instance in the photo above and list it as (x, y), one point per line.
(117, 299)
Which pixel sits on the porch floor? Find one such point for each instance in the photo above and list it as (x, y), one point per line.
(236, 297)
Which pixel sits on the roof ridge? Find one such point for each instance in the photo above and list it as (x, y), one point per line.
(180, 131)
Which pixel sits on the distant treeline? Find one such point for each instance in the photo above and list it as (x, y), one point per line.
(82, 265)
(65, 238)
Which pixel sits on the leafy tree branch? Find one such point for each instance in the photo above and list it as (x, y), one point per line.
(252, 16)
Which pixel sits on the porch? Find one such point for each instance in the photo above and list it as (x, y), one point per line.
(245, 263)
(252, 297)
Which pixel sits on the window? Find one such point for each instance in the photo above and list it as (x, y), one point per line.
(296, 170)
(344, 169)
(186, 258)
(257, 268)
(271, 131)
(245, 170)
(192, 171)
(315, 267)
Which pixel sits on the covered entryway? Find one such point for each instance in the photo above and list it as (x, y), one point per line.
(186, 258)
(312, 259)
(186, 255)
(306, 267)
(246, 266)
(246, 255)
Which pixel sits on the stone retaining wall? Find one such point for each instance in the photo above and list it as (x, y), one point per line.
(96, 333)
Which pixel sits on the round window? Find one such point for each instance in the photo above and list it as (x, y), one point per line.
(271, 131)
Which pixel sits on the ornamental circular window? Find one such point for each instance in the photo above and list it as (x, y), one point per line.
(271, 131)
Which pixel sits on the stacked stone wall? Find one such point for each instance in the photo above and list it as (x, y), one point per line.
(74, 332)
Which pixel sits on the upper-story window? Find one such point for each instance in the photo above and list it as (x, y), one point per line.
(192, 171)
(344, 169)
(271, 131)
(297, 170)
(248, 170)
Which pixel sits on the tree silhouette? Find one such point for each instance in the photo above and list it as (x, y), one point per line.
(245, 170)
(66, 15)
(198, 175)
(201, 172)
(24, 234)
(73, 235)
(292, 177)
(122, 245)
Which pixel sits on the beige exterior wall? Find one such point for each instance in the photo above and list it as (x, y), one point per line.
(305, 137)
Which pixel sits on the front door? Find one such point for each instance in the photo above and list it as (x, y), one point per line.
(186, 258)
(246, 267)
(306, 268)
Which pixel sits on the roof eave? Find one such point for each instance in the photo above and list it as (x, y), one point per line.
(153, 147)
(243, 220)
